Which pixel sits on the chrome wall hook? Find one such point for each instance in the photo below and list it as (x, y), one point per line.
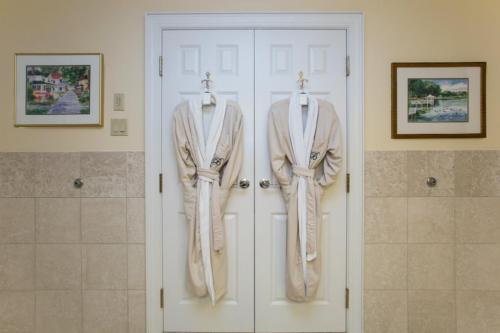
(431, 182)
(78, 183)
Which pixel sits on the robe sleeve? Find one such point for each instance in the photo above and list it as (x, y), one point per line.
(279, 163)
(232, 168)
(332, 161)
(186, 166)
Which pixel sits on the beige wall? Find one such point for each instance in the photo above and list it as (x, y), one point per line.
(396, 30)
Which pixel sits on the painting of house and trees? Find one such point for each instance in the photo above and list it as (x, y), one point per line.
(57, 90)
(438, 100)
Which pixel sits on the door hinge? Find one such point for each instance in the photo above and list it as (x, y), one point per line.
(347, 66)
(160, 182)
(347, 298)
(161, 298)
(161, 66)
(348, 182)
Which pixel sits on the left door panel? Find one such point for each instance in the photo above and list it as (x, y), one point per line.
(229, 56)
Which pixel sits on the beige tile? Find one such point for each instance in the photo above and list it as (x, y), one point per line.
(386, 220)
(418, 171)
(58, 220)
(16, 267)
(105, 311)
(385, 311)
(136, 267)
(58, 266)
(55, 174)
(467, 178)
(135, 174)
(431, 311)
(17, 312)
(105, 267)
(478, 267)
(104, 174)
(441, 165)
(17, 174)
(431, 266)
(136, 311)
(477, 220)
(477, 173)
(135, 220)
(437, 164)
(17, 220)
(430, 220)
(478, 312)
(385, 174)
(385, 266)
(104, 220)
(59, 311)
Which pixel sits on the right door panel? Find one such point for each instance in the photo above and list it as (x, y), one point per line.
(279, 56)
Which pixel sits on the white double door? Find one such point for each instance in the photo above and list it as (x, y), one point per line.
(255, 68)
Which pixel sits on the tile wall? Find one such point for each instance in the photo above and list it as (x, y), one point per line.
(72, 260)
(432, 255)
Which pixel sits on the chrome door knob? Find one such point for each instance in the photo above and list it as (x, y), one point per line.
(244, 183)
(264, 183)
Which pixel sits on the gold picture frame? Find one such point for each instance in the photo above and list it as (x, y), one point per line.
(438, 100)
(73, 76)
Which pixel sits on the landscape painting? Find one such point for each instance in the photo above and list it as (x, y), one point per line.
(438, 100)
(57, 90)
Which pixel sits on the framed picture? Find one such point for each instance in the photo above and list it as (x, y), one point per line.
(63, 89)
(439, 100)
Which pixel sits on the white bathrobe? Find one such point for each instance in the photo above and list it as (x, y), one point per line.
(209, 164)
(305, 158)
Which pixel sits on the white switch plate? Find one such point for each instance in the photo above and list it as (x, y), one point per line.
(119, 102)
(119, 127)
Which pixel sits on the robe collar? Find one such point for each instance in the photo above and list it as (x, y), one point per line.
(207, 149)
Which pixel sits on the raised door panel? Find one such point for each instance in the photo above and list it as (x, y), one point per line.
(228, 56)
(279, 56)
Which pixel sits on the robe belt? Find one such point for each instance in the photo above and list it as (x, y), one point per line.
(302, 172)
(212, 176)
(308, 175)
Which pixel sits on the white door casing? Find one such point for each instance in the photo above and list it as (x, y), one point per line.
(279, 56)
(156, 25)
(228, 56)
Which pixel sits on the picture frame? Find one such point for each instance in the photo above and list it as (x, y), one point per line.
(59, 89)
(438, 100)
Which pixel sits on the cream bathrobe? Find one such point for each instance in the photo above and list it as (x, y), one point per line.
(213, 173)
(315, 166)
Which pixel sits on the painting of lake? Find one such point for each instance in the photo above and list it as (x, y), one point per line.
(438, 100)
(57, 90)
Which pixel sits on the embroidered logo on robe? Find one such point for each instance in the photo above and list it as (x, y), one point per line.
(314, 155)
(216, 161)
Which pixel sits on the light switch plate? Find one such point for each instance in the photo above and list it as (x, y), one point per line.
(119, 102)
(119, 127)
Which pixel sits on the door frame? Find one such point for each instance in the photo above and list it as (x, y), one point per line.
(155, 23)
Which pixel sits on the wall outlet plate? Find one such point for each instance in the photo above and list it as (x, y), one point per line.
(119, 127)
(119, 102)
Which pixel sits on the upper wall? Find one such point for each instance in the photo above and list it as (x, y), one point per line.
(396, 30)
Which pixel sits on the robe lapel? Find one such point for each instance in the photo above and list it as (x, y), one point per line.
(302, 141)
(208, 186)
